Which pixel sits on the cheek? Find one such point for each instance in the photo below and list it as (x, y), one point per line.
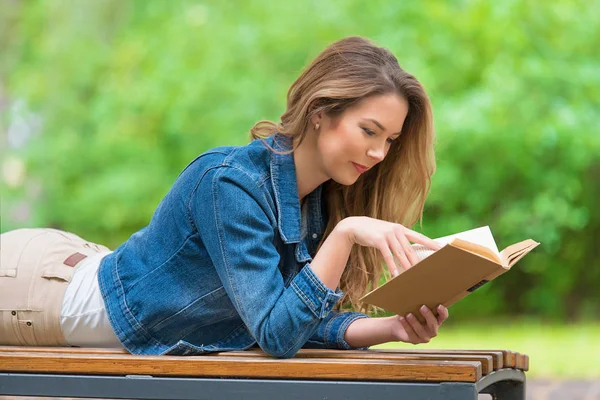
(343, 141)
(333, 148)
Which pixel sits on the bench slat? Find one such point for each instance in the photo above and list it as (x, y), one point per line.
(485, 360)
(513, 359)
(497, 356)
(510, 359)
(500, 358)
(522, 362)
(242, 367)
(69, 350)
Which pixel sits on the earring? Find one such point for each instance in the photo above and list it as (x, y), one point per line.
(317, 126)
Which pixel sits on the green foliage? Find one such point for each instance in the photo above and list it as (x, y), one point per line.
(106, 101)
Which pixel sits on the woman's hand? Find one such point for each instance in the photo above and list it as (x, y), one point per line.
(408, 329)
(392, 240)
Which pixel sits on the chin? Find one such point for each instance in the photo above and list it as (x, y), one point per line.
(346, 177)
(346, 180)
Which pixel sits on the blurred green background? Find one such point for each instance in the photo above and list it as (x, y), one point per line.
(103, 103)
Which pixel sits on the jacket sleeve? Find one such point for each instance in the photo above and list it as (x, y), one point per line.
(236, 224)
(331, 330)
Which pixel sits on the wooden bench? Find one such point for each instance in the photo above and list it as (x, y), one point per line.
(311, 374)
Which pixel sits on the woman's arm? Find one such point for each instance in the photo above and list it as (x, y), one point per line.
(228, 208)
(236, 225)
(329, 263)
(332, 258)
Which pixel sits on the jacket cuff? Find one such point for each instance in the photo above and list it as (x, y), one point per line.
(317, 297)
(336, 329)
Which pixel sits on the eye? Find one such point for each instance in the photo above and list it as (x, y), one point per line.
(390, 141)
(368, 131)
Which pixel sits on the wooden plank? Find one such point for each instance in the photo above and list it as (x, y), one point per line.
(69, 350)
(497, 356)
(522, 362)
(486, 361)
(241, 367)
(509, 358)
(515, 359)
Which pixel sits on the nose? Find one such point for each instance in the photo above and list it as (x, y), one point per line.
(376, 153)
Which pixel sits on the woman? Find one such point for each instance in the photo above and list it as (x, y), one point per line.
(260, 244)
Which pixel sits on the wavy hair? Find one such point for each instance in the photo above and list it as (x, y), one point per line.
(348, 71)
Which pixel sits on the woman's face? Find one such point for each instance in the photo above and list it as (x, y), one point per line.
(360, 137)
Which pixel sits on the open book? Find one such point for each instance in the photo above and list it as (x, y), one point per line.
(466, 261)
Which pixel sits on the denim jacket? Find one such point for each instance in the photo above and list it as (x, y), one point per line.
(224, 263)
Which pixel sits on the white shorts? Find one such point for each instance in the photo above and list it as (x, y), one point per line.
(83, 319)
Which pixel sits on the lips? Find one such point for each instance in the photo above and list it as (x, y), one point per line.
(360, 168)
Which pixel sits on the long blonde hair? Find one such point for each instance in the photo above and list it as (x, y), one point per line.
(395, 189)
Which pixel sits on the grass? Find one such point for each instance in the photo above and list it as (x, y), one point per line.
(555, 351)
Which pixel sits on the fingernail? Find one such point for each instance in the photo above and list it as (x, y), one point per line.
(395, 274)
(410, 316)
(423, 308)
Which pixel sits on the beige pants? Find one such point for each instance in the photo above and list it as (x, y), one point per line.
(36, 266)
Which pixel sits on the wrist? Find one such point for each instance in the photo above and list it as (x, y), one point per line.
(367, 332)
(344, 229)
(396, 328)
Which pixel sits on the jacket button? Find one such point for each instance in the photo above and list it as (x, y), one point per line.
(314, 235)
(14, 313)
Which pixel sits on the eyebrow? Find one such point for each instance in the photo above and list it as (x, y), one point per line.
(380, 126)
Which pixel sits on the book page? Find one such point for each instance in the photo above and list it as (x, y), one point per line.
(481, 236)
(515, 252)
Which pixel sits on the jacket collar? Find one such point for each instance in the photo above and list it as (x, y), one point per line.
(285, 187)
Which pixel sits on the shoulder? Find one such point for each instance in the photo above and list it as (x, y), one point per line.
(234, 180)
(250, 162)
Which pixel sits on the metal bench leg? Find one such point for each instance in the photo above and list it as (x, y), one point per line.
(504, 385)
(507, 390)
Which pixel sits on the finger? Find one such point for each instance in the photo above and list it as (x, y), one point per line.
(418, 328)
(432, 322)
(399, 253)
(442, 314)
(410, 332)
(417, 237)
(389, 259)
(408, 249)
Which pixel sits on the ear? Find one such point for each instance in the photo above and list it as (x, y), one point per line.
(317, 118)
